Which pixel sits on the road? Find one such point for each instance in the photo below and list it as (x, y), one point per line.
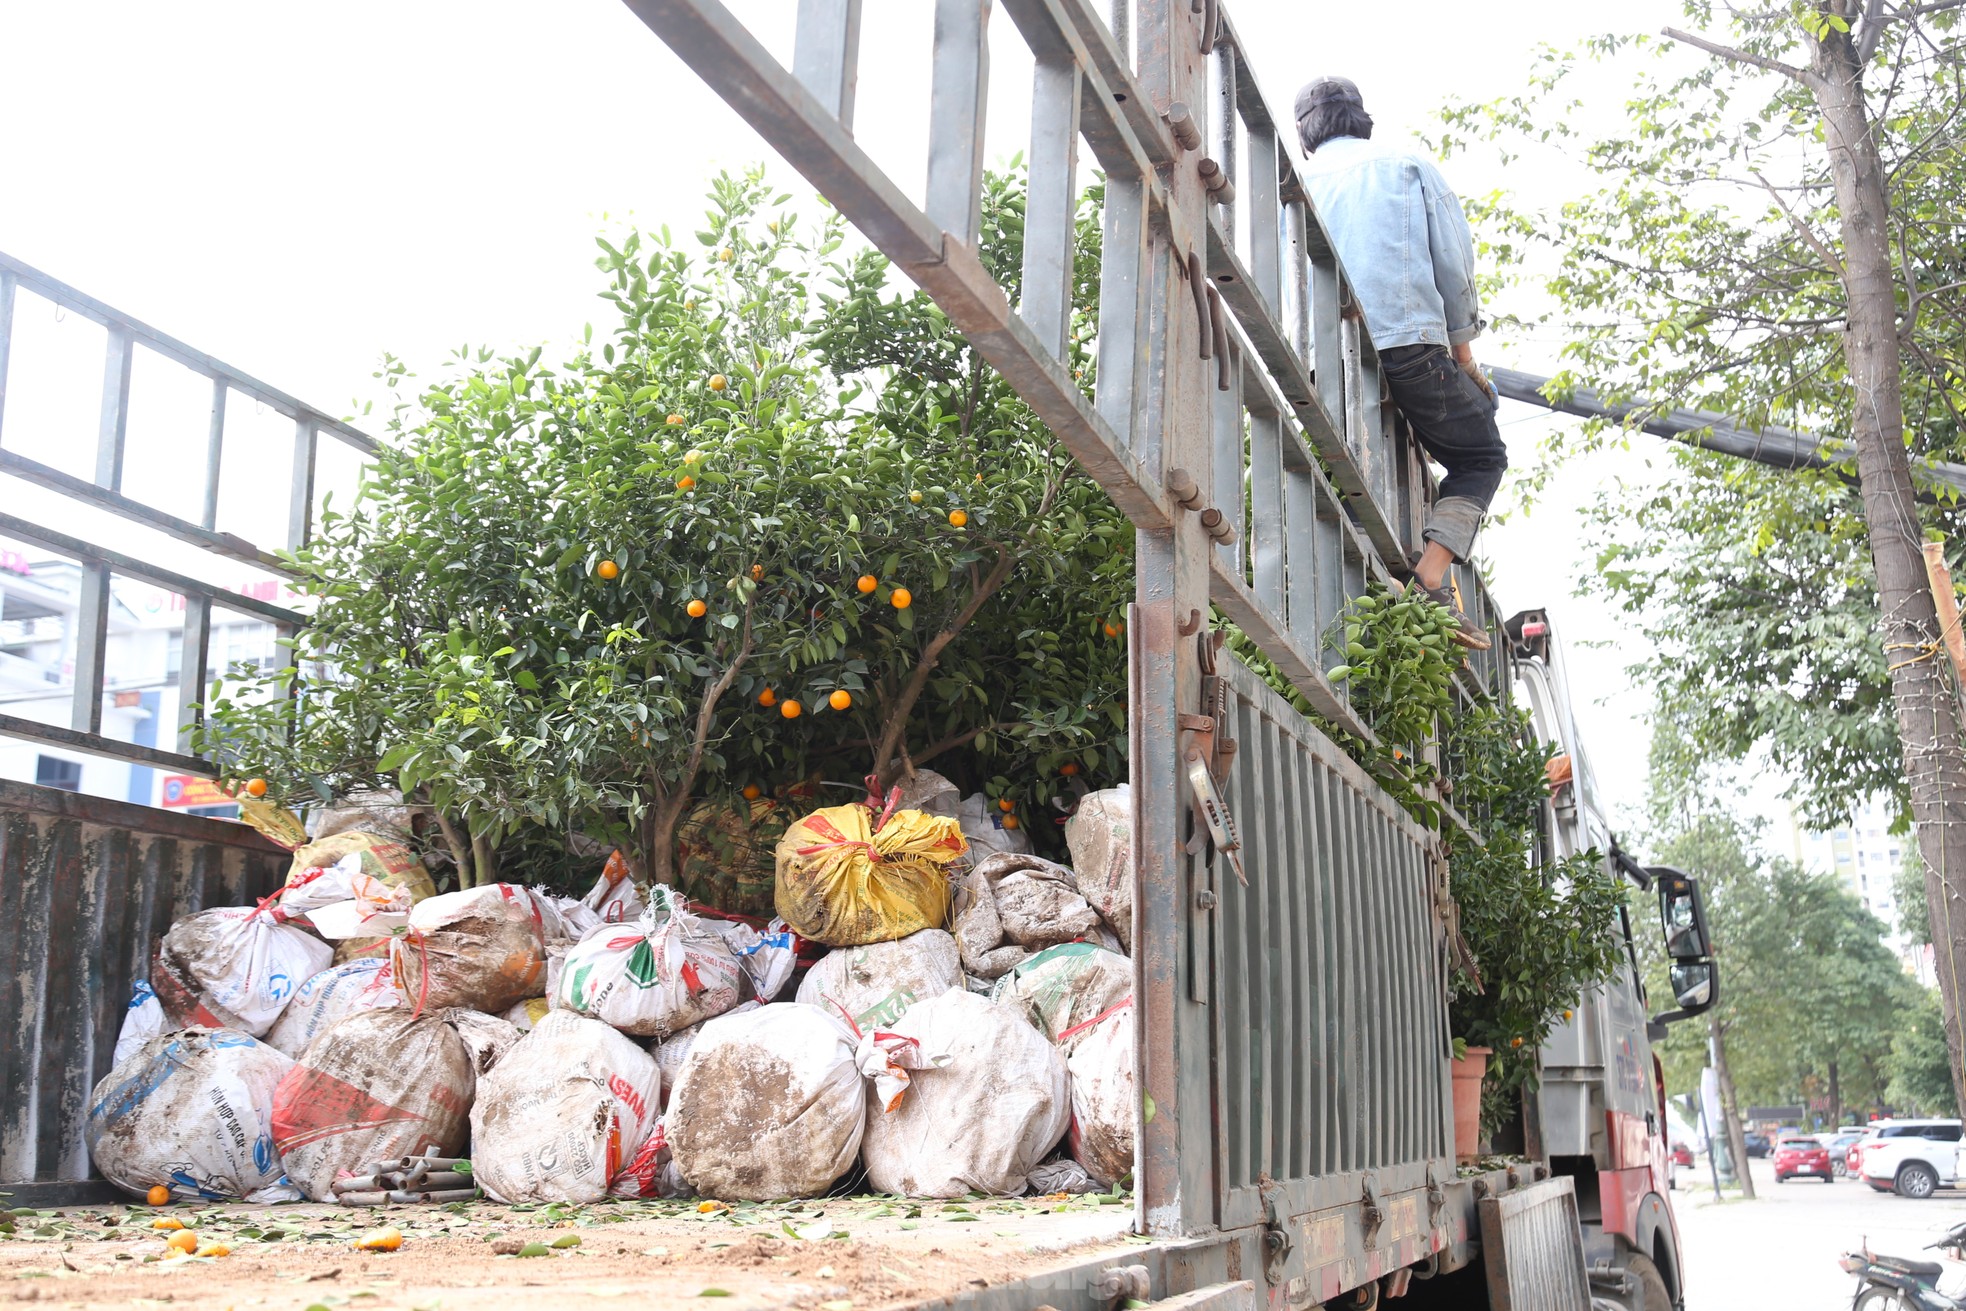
(1780, 1250)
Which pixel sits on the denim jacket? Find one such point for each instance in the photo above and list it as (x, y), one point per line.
(1402, 238)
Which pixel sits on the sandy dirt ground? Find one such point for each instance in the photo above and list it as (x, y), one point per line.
(852, 1254)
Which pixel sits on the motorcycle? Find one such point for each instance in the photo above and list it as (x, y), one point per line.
(1893, 1283)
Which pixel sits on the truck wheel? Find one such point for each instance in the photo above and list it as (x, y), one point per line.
(1653, 1295)
(1916, 1180)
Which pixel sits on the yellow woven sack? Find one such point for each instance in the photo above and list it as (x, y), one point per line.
(843, 882)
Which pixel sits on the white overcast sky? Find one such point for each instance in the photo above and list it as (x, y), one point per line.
(297, 189)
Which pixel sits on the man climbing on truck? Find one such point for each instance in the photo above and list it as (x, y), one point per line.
(1405, 245)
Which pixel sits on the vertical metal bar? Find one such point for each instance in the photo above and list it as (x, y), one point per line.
(1329, 579)
(193, 655)
(1282, 1035)
(1297, 257)
(1124, 261)
(115, 423)
(91, 642)
(1259, 740)
(1178, 1189)
(1231, 467)
(959, 93)
(1267, 524)
(1266, 221)
(1119, 17)
(1300, 557)
(1328, 338)
(1226, 124)
(300, 500)
(1239, 1016)
(1049, 218)
(826, 54)
(214, 454)
(1375, 432)
(7, 284)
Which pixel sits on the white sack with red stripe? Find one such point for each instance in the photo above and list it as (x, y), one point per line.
(1105, 1102)
(360, 985)
(612, 900)
(666, 971)
(992, 1104)
(482, 948)
(235, 967)
(1063, 989)
(568, 1115)
(875, 985)
(380, 1084)
(769, 1104)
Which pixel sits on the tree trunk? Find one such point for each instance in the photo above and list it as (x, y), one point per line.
(1835, 1097)
(1928, 723)
(1730, 1112)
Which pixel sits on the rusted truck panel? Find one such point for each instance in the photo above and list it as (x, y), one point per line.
(87, 885)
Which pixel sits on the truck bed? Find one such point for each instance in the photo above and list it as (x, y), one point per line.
(849, 1254)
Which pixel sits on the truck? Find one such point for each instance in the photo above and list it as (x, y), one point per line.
(1295, 1141)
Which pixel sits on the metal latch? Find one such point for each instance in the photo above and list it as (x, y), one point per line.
(1436, 1198)
(1276, 1240)
(1371, 1213)
(1208, 767)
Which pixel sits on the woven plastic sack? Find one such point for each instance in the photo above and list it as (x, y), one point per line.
(1104, 1096)
(569, 1115)
(482, 948)
(874, 985)
(235, 967)
(983, 1117)
(613, 899)
(1064, 987)
(339, 990)
(769, 956)
(847, 876)
(192, 1110)
(672, 1051)
(724, 854)
(769, 1104)
(1015, 905)
(1100, 834)
(381, 1084)
(528, 1013)
(143, 1019)
(664, 972)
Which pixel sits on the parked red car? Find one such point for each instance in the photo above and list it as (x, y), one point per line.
(1802, 1158)
(1682, 1154)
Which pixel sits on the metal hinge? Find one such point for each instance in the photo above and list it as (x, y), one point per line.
(1371, 1213)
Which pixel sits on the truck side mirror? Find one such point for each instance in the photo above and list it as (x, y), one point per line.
(1695, 986)
(1682, 914)
(1692, 984)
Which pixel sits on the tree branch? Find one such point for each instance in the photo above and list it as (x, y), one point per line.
(1804, 76)
(963, 738)
(1808, 233)
(1871, 32)
(460, 852)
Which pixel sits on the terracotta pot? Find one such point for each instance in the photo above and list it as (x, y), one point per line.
(1468, 1074)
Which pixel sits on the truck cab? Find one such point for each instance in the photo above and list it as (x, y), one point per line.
(1599, 1113)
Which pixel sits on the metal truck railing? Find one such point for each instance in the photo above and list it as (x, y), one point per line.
(104, 491)
(1293, 1041)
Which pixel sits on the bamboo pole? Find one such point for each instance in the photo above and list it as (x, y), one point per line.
(1948, 607)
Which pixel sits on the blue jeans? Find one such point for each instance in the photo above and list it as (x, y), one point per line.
(1454, 420)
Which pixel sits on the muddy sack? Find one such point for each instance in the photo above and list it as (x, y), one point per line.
(192, 1110)
(339, 990)
(980, 1121)
(848, 876)
(143, 1019)
(482, 948)
(1016, 905)
(569, 1115)
(664, 972)
(1063, 987)
(1104, 1102)
(1100, 834)
(769, 956)
(875, 984)
(376, 1085)
(768, 1104)
(235, 967)
(672, 1051)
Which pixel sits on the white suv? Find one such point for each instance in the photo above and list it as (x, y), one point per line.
(1913, 1158)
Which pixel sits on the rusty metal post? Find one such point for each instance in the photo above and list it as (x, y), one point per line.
(1175, 1185)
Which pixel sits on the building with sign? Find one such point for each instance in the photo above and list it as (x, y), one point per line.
(40, 599)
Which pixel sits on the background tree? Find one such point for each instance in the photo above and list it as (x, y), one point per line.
(1775, 240)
